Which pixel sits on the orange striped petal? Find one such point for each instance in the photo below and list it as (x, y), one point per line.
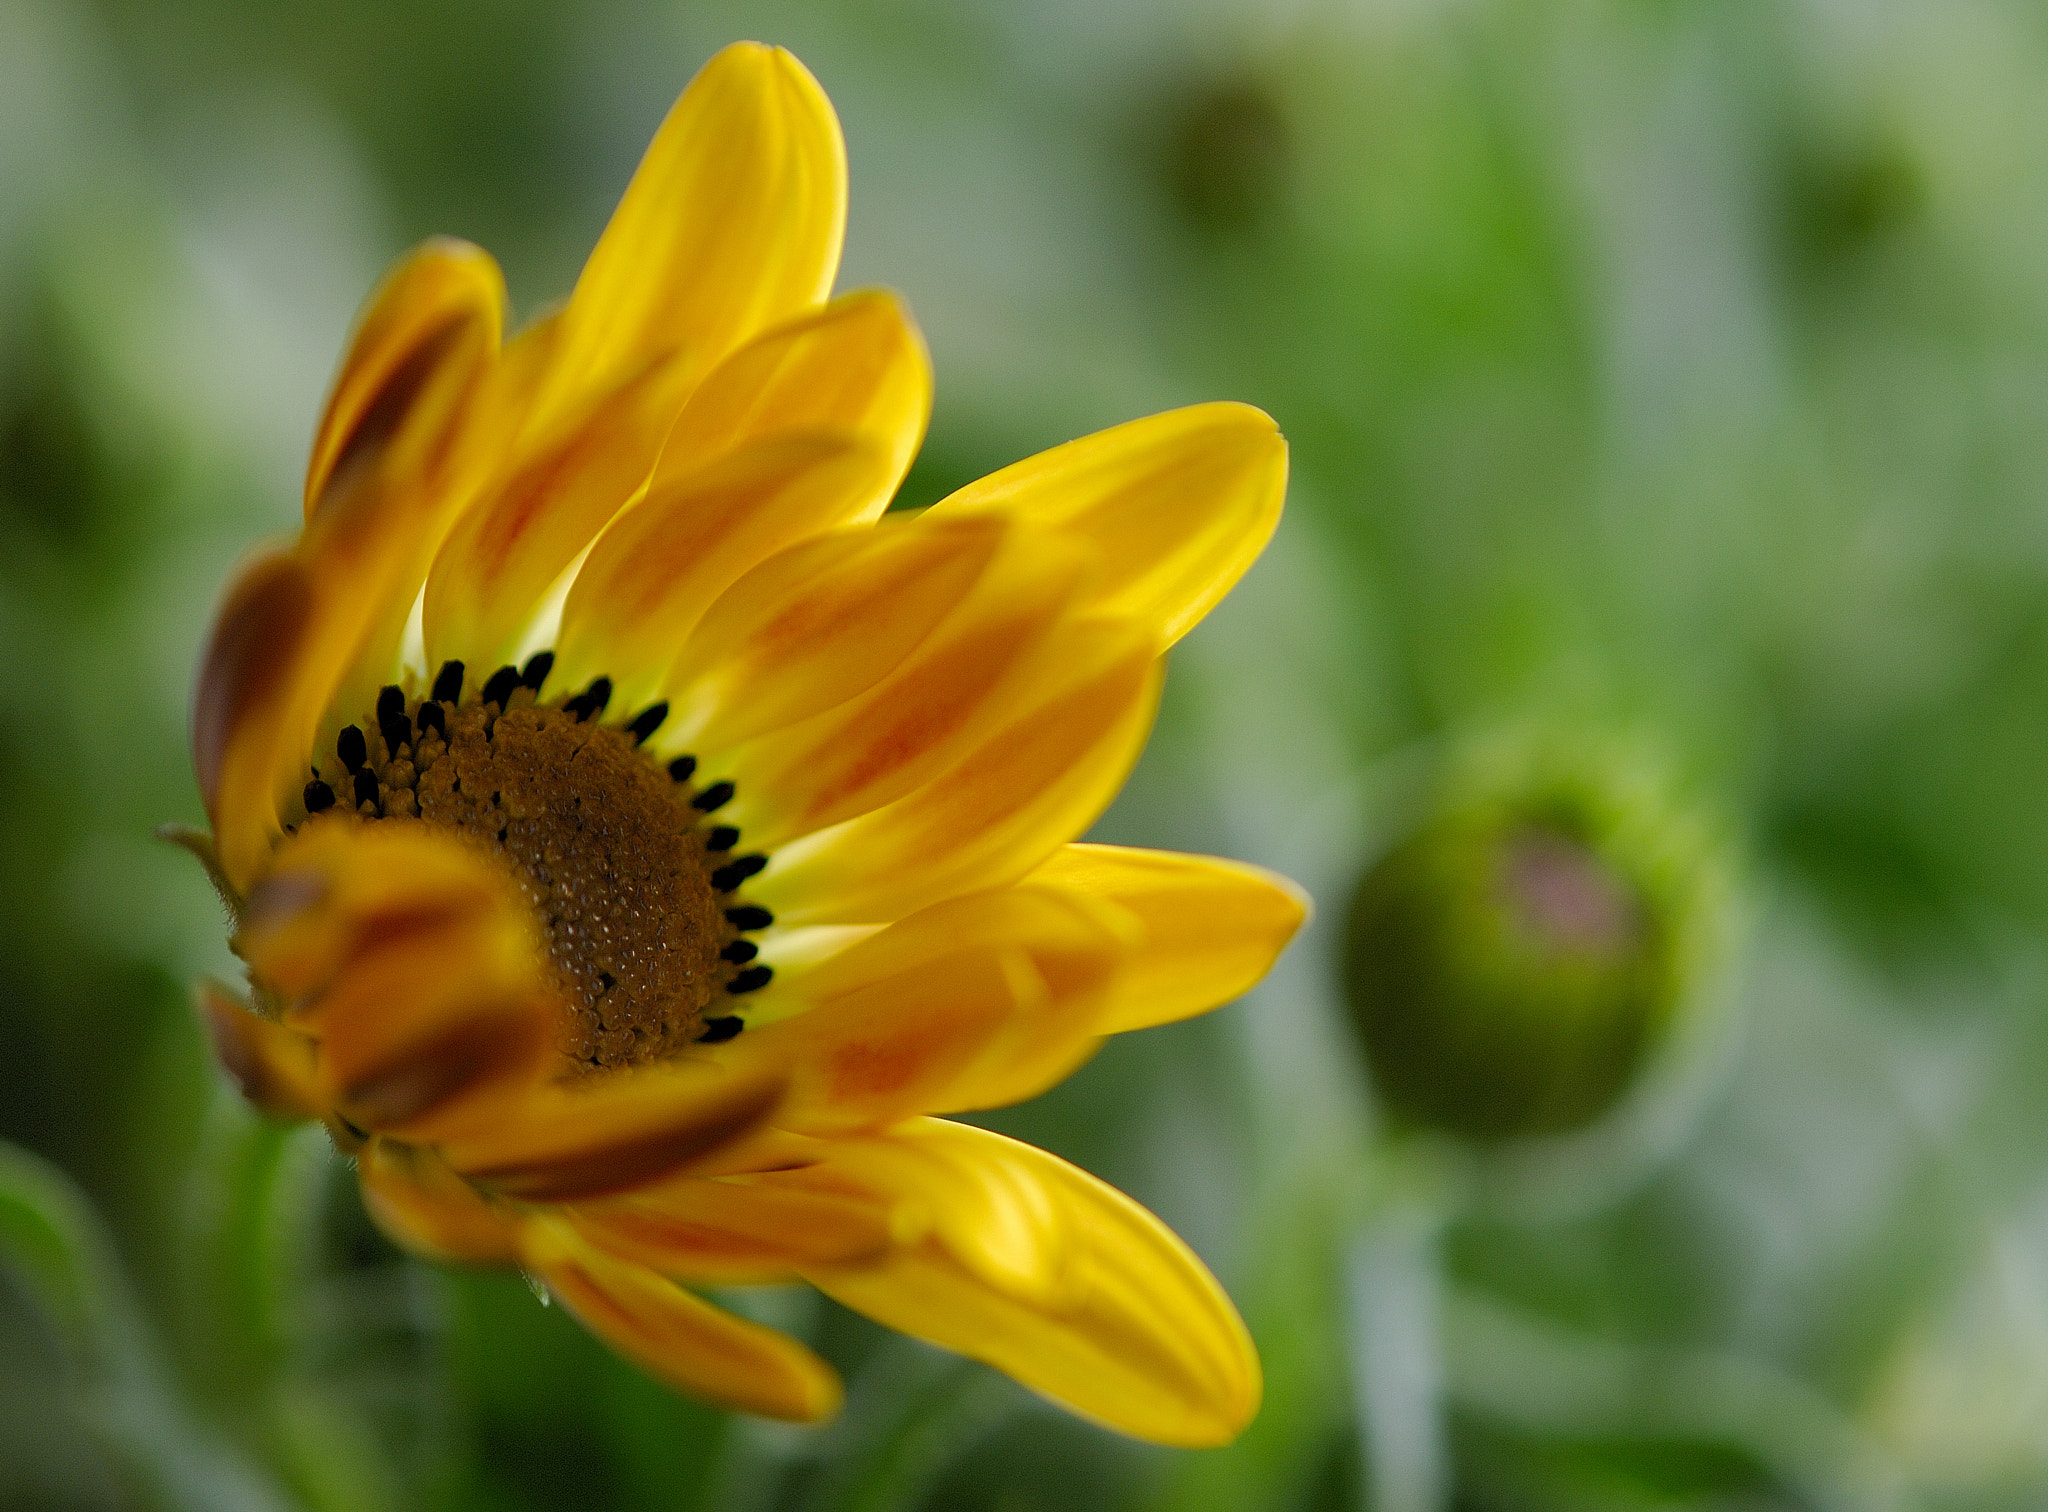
(273, 1065)
(353, 575)
(1121, 1324)
(898, 1047)
(413, 963)
(240, 706)
(481, 453)
(530, 524)
(435, 1062)
(339, 893)
(858, 365)
(1029, 783)
(430, 1210)
(732, 223)
(1211, 928)
(663, 562)
(821, 623)
(611, 1132)
(425, 302)
(1179, 504)
(974, 1003)
(676, 1337)
(939, 703)
(735, 1231)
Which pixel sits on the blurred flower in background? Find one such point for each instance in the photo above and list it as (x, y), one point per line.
(1675, 369)
(1513, 964)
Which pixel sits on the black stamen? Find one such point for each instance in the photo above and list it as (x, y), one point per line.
(733, 873)
(718, 1030)
(682, 769)
(718, 795)
(352, 748)
(590, 701)
(749, 917)
(448, 683)
(366, 787)
(753, 979)
(538, 666)
(319, 797)
(433, 717)
(739, 952)
(648, 721)
(721, 839)
(499, 689)
(391, 721)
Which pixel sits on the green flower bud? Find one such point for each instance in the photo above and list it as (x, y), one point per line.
(1516, 962)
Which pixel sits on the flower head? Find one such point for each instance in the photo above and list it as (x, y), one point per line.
(635, 836)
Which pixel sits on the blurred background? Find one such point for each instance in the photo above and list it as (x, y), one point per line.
(1662, 376)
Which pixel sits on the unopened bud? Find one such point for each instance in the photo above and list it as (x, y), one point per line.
(1514, 964)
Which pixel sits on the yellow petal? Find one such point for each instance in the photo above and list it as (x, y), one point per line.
(735, 1231)
(430, 1210)
(732, 223)
(1212, 928)
(858, 365)
(273, 1065)
(533, 521)
(1179, 504)
(994, 1217)
(611, 1132)
(1031, 782)
(961, 681)
(423, 303)
(677, 1338)
(821, 622)
(974, 1003)
(663, 562)
(1130, 1329)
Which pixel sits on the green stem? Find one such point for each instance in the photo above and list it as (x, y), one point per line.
(1392, 1290)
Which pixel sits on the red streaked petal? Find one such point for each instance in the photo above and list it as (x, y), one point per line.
(274, 1066)
(430, 1210)
(821, 623)
(425, 301)
(1033, 779)
(664, 561)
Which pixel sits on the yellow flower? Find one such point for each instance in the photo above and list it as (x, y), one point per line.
(598, 713)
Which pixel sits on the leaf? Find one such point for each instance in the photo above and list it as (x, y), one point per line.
(54, 1248)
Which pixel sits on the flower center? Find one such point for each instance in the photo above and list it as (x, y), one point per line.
(630, 882)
